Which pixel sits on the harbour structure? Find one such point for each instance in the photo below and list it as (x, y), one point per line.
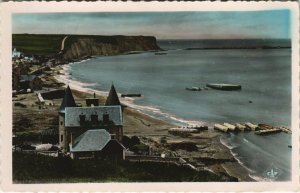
(182, 130)
(227, 87)
(78, 127)
(194, 88)
(230, 126)
(221, 127)
(240, 127)
(251, 126)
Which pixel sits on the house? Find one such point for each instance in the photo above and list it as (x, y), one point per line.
(96, 143)
(32, 82)
(16, 54)
(79, 126)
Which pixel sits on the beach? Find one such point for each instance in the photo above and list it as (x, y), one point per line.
(215, 155)
(151, 123)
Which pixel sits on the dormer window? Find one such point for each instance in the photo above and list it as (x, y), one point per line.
(106, 118)
(94, 118)
(82, 119)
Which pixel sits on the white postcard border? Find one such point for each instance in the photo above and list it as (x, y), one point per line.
(8, 8)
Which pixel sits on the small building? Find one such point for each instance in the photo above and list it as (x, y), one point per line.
(96, 143)
(16, 54)
(32, 82)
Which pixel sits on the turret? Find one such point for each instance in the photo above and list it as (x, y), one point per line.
(112, 99)
(68, 101)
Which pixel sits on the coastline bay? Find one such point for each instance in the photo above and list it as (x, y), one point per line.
(264, 75)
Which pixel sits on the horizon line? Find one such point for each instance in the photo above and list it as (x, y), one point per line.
(156, 37)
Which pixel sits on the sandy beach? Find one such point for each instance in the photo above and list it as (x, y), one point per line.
(216, 156)
(211, 153)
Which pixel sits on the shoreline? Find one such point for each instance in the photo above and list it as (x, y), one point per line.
(235, 169)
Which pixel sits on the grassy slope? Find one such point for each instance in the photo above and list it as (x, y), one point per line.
(49, 44)
(37, 44)
(31, 168)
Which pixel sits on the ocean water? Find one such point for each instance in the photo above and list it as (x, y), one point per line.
(265, 76)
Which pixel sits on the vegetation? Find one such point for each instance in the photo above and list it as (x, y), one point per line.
(26, 137)
(188, 146)
(33, 44)
(50, 44)
(134, 145)
(33, 168)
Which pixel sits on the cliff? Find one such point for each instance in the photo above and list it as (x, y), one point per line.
(78, 47)
(75, 47)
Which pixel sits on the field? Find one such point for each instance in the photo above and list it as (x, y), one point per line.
(33, 44)
(32, 168)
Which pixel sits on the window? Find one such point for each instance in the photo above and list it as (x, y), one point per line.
(61, 123)
(61, 138)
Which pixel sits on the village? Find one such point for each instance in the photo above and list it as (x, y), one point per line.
(52, 119)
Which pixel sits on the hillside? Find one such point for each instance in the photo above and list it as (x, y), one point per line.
(80, 46)
(31, 44)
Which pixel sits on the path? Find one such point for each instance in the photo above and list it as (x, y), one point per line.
(63, 44)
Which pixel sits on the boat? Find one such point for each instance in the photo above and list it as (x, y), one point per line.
(267, 132)
(160, 53)
(194, 88)
(131, 95)
(285, 129)
(227, 87)
(182, 130)
(265, 127)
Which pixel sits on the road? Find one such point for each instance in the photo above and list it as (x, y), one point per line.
(63, 44)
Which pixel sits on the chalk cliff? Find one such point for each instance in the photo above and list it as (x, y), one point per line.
(78, 47)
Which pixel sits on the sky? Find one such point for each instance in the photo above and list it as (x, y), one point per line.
(271, 24)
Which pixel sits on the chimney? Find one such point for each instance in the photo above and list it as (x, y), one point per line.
(106, 118)
(71, 142)
(82, 119)
(94, 118)
(92, 102)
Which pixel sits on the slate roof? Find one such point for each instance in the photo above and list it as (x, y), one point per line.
(68, 100)
(91, 140)
(112, 99)
(72, 114)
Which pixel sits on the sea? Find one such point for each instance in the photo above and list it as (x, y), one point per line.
(162, 79)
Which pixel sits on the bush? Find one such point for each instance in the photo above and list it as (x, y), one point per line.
(22, 124)
(188, 146)
(50, 136)
(163, 140)
(33, 168)
(130, 142)
(140, 149)
(18, 104)
(30, 136)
